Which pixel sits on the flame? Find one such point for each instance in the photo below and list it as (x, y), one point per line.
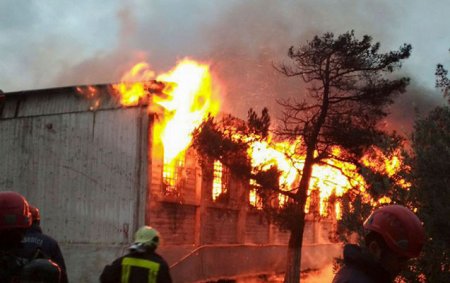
(190, 97)
(91, 93)
(217, 189)
(332, 177)
(264, 156)
(190, 93)
(134, 84)
(390, 164)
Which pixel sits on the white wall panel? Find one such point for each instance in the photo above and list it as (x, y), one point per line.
(80, 169)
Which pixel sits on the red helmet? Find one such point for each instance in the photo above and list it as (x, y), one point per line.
(14, 211)
(35, 215)
(400, 228)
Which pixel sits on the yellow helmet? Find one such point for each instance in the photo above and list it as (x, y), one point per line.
(147, 236)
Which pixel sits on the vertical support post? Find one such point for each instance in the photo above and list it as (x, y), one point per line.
(149, 168)
(199, 210)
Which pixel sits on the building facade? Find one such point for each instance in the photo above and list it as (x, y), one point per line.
(94, 170)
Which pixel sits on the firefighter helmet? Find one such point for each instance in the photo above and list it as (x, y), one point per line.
(35, 214)
(147, 236)
(14, 211)
(400, 228)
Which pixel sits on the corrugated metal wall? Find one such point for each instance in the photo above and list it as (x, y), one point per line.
(79, 169)
(85, 170)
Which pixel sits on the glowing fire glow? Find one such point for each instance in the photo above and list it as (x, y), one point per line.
(264, 156)
(134, 84)
(390, 164)
(187, 97)
(220, 180)
(190, 98)
(333, 177)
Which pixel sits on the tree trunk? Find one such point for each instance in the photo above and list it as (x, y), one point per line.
(297, 225)
(294, 254)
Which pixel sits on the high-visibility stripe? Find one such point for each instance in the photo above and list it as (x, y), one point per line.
(128, 262)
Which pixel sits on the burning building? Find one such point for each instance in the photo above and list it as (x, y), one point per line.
(100, 161)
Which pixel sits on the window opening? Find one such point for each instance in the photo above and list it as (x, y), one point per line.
(254, 199)
(173, 175)
(220, 181)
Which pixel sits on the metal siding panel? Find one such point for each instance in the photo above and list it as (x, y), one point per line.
(45, 104)
(115, 162)
(78, 168)
(9, 108)
(58, 101)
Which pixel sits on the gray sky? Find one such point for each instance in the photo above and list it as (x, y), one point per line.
(52, 43)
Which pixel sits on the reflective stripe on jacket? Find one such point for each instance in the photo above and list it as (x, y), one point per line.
(129, 262)
(137, 267)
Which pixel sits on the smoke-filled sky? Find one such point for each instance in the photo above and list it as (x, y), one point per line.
(52, 43)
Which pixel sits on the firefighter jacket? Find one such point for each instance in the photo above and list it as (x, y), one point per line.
(137, 267)
(35, 244)
(14, 269)
(10, 267)
(359, 267)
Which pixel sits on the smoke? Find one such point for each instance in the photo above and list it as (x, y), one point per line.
(416, 102)
(92, 43)
(107, 67)
(248, 40)
(258, 37)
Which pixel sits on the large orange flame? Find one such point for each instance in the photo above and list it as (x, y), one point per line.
(191, 96)
(134, 83)
(188, 97)
(332, 177)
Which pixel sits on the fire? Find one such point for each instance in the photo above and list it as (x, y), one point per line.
(189, 93)
(264, 156)
(220, 180)
(332, 177)
(390, 164)
(134, 84)
(329, 179)
(92, 94)
(190, 97)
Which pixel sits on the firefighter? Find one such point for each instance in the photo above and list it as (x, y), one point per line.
(15, 218)
(36, 244)
(394, 234)
(141, 264)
